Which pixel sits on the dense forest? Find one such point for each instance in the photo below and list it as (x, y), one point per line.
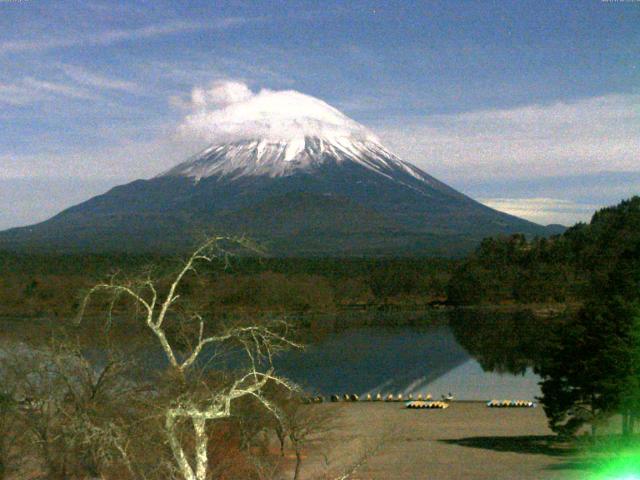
(34, 285)
(590, 362)
(593, 370)
(506, 270)
(516, 270)
(562, 268)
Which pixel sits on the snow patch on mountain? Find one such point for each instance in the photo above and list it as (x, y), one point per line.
(277, 158)
(279, 133)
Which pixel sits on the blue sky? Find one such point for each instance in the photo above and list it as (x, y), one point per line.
(532, 107)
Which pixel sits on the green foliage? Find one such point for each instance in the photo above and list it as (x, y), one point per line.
(630, 397)
(591, 369)
(587, 372)
(6, 402)
(514, 270)
(594, 370)
(602, 254)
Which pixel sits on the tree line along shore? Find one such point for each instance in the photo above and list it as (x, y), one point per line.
(503, 271)
(500, 273)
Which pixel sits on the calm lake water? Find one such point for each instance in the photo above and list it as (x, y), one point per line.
(401, 360)
(473, 355)
(422, 359)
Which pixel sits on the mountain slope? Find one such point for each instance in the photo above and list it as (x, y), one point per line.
(316, 183)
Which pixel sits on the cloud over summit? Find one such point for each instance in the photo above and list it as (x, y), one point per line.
(230, 111)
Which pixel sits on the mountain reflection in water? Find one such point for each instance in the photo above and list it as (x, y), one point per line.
(437, 359)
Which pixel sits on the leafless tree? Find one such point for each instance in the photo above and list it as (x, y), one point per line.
(73, 415)
(197, 401)
(304, 425)
(40, 393)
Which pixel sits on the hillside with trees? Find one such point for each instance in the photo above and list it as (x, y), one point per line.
(593, 371)
(589, 363)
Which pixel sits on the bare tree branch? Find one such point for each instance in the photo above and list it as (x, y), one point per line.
(258, 342)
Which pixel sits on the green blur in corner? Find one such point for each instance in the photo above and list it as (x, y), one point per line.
(625, 466)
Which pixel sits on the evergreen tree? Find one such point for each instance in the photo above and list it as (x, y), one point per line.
(630, 400)
(586, 377)
(594, 370)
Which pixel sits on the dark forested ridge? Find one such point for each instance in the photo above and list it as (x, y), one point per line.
(503, 270)
(562, 268)
(48, 285)
(590, 363)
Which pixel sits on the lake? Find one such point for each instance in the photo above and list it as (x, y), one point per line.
(474, 355)
(420, 359)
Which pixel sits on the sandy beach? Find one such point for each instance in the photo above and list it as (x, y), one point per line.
(465, 441)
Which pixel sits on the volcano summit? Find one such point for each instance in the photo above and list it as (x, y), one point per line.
(291, 172)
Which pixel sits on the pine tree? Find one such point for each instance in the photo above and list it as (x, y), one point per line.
(585, 376)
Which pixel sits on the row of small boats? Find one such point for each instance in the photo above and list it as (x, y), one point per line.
(420, 401)
(510, 404)
(352, 397)
(428, 404)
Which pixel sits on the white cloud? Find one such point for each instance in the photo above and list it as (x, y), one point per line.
(85, 77)
(220, 94)
(589, 135)
(56, 88)
(229, 110)
(110, 37)
(81, 85)
(544, 210)
(30, 90)
(225, 110)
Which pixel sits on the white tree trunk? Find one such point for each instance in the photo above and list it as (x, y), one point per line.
(176, 448)
(258, 343)
(199, 424)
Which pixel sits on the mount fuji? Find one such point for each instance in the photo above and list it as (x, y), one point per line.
(289, 171)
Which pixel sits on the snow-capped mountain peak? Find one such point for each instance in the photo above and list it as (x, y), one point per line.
(285, 169)
(275, 134)
(278, 158)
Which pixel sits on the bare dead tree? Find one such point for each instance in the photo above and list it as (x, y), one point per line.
(100, 407)
(73, 415)
(198, 402)
(305, 425)
(41, 393)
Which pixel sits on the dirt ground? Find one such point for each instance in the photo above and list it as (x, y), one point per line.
(465, 441)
